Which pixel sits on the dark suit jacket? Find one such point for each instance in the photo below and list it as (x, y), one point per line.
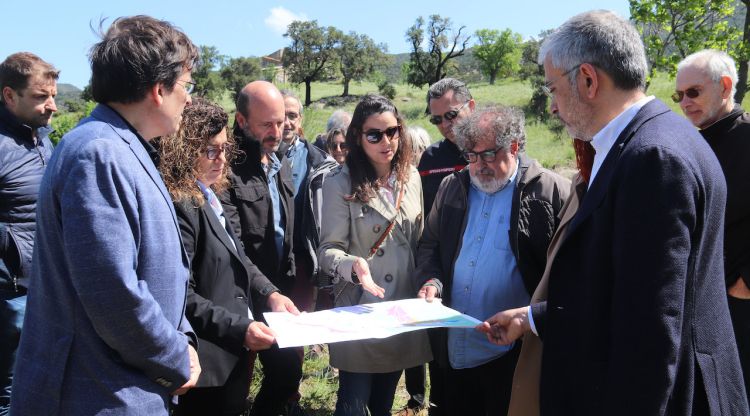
(218, 297)
(636, 319)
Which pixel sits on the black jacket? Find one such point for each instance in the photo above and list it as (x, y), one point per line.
(308, 205)
(438, 161)
(22, 164)
(218, 297)
(247, 205)
(537, 199)
(637, 321)
(729, 138)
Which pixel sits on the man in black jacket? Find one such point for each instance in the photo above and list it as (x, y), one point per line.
(483, 249)
(28, 86)
(448, 102)
(260, 207)
(705, 90)
(309, 165)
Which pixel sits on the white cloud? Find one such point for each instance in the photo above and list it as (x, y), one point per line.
(280, 18)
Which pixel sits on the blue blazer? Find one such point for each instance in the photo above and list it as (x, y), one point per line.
(636, 320)
(104, 332)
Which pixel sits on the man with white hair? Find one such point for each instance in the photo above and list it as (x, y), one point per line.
(706, 83)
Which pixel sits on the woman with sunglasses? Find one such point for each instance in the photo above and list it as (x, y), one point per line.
(194, 164)
(336, 145)
(372, 220)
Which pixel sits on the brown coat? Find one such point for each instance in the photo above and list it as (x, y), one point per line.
(524, 399)
(348, 230)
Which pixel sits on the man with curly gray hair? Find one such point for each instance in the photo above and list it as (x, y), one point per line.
(483, 247)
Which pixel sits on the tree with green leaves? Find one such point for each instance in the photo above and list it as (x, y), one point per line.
(358, 57)
(238, 72)
(427, 66)
(742, 53)
(498, 52)
(673, 29)
(311, 54)
(208, 83)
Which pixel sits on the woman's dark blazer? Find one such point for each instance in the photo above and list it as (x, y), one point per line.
(218, 295)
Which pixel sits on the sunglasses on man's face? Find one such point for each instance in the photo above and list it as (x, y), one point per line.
(375, 136)
(212, 152)
(690, 92)
(449, 115)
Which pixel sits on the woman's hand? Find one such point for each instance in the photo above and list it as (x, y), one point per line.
(280, 303)
(362, 270)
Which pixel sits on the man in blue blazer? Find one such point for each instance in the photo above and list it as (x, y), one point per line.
(105, 331)
(636, 320)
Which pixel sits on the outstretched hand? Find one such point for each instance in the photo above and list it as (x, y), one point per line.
(505, 327)
(362, 270)
(280, 303)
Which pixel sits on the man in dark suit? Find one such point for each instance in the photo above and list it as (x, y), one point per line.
(636, 321)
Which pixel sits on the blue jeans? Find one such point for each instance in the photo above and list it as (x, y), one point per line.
(361, 391)
(12, 309)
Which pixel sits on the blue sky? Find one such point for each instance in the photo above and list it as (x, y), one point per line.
(60, 31)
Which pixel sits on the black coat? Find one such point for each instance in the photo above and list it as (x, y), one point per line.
(248, 206)
(218, 297)
(636, 321)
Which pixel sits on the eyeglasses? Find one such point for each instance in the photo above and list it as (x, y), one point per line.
(375, 136)
(487, 155)
(188, 85)
(212, 152)
(292, 116)
(450, 115)
(690, 92)
(340, 146)
(546, 87)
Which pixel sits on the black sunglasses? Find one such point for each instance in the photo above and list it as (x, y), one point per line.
(487, 155)
(450, 115)
(690, 92)
(212, 152)
(375, 136)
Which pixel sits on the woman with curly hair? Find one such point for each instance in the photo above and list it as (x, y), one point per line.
(194, 164)
(372, 220)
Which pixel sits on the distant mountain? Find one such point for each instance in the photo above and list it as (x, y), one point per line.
(67, 93)
(465, 68)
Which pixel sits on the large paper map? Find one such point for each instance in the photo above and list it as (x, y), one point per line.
(373, 320)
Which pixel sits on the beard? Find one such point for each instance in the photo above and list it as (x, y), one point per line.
(268, 144)
(490, 184)
(580, 115)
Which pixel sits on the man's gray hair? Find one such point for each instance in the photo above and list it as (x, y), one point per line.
(340, 119)
(603, 39)
(420, 138)
(504, 124)
(439, 89)
(288, 93)
(715, 64)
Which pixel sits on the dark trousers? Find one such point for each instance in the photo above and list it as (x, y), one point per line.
(359, 392)
(414, 379)
(282, 373)
(739, 309)
(482, 390)
(12, 310)
(227, 400)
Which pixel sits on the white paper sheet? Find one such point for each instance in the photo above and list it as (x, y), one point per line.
(373, 320)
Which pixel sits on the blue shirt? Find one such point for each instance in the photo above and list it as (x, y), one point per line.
(297, 155)
(272, 169)
(486, 278)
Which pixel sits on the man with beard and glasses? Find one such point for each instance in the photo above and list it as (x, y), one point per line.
(483, 247)
(636, 319)
(28, 86)
(260, 207)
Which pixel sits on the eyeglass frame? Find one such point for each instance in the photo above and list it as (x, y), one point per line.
(189, 86)
(488, 156)
(449, 115)
(691, 93)
(296, 117)
(224, 148)
(381, 133)
(546, 86)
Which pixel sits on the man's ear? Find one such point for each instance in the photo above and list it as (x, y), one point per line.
(240, 120)
(472, 104)
(514, 148)
(726, 84)
(591, 79)
(156, 94)
(9, 96)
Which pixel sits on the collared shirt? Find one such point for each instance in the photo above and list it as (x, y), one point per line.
(486, 278)
(216, 207)
(607, 136)
(297, 155)
(272, 169)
